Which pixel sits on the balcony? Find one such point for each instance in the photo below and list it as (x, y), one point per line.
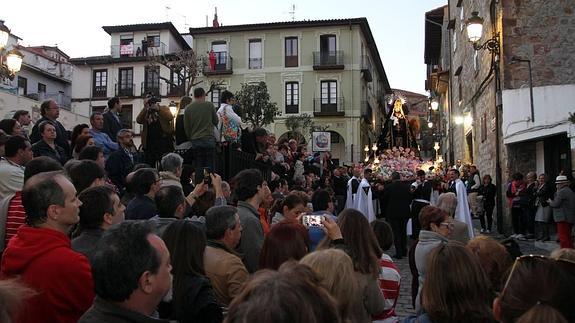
(100, 91)
(323, 107)
(366, 69)
(124, 90)
(332, 60)
(63, 101)
(255, 63)
(176, 91)
(222, 65)
(136, 50)
(146, 88)
(366, 112)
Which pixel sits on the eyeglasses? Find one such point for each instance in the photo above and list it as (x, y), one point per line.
(531, 258)
(448, 225)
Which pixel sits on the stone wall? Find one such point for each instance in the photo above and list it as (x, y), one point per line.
(522, 157)
(544, 32)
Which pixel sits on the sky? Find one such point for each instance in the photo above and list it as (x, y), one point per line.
(75, 26)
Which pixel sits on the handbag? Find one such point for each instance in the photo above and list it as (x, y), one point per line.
(229, 130)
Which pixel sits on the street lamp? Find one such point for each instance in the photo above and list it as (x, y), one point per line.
(474, 26)
(13, 57)
(434, 105)
(430, 124)
(173, 109)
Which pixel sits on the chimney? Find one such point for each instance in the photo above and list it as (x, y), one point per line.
(215, 22)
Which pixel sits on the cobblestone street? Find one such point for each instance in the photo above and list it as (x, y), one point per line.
(404, 307)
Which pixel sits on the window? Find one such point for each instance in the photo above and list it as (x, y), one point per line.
(291, 52)
(152, 80)
(327, 48)
(126, 82)
(328, 92)
(100, 83)
(292, 97)
(22, 86)
(153, 40)
(255, 54)
(220, 50)
(215, 97)
(41, 88)
(178, 81)
(98, 108)
(126, 45)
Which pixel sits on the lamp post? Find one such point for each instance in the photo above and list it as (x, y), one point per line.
(474, 27)
(516, 59)
(12, 57)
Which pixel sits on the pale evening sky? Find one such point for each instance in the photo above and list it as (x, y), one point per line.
(397, 25)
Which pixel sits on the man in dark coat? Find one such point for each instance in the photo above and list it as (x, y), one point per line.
(112, 123)
(50, 112)
(121, 162)
(395, 205)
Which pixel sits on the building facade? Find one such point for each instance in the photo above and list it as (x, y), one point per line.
(127, 71)
(45, 74)
(329, 69)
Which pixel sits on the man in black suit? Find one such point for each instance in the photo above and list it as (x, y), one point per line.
(112, 123)
(121, 162)
(50, 111)
(396, 200)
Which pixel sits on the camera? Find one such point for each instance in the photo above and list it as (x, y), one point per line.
(312, 220)
(152, 99)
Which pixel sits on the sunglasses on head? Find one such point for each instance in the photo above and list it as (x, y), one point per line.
(532, 259)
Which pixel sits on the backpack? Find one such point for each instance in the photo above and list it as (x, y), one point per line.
(229, 130)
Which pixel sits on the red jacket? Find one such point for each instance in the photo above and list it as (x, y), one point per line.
(45, 261)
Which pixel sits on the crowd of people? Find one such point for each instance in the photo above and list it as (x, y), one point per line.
(92, 230)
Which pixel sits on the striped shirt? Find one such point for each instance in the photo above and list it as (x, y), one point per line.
(16, 216)
(389, 281)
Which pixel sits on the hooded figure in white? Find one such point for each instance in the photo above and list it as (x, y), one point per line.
(462, 212)
(364, 198)
(352, 188)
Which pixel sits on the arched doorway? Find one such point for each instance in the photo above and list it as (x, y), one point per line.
(337, 148)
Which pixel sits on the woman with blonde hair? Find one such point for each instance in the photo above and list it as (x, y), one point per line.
(335, 270)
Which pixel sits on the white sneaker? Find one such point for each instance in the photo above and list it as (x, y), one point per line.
(482, 231)
(487, 231)
(520, 236)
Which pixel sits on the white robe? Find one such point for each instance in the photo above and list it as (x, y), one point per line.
(364, 201)
(351, 201)
(462, 212)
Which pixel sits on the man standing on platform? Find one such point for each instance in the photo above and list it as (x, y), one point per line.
(50, 111)
(462, 212)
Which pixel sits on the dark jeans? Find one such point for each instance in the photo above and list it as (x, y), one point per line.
(340, 203)
(204, 150)
(399, 236)
(517, 220)
(529, 220)
(487, 212)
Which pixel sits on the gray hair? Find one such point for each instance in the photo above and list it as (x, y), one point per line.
(122, 132)
(171, 162)
(448, 203)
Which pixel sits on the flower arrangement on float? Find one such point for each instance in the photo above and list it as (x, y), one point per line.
(398, 159)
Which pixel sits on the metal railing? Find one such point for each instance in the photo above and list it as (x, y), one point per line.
(137, 50)
(124, 91)
(255, 63)
(150, 88)
(222, 64)
(328, 106)
(366, 111)
(328, 59)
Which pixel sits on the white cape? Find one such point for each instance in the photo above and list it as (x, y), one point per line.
(462, 212)
(364, 201)
(350, 201)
